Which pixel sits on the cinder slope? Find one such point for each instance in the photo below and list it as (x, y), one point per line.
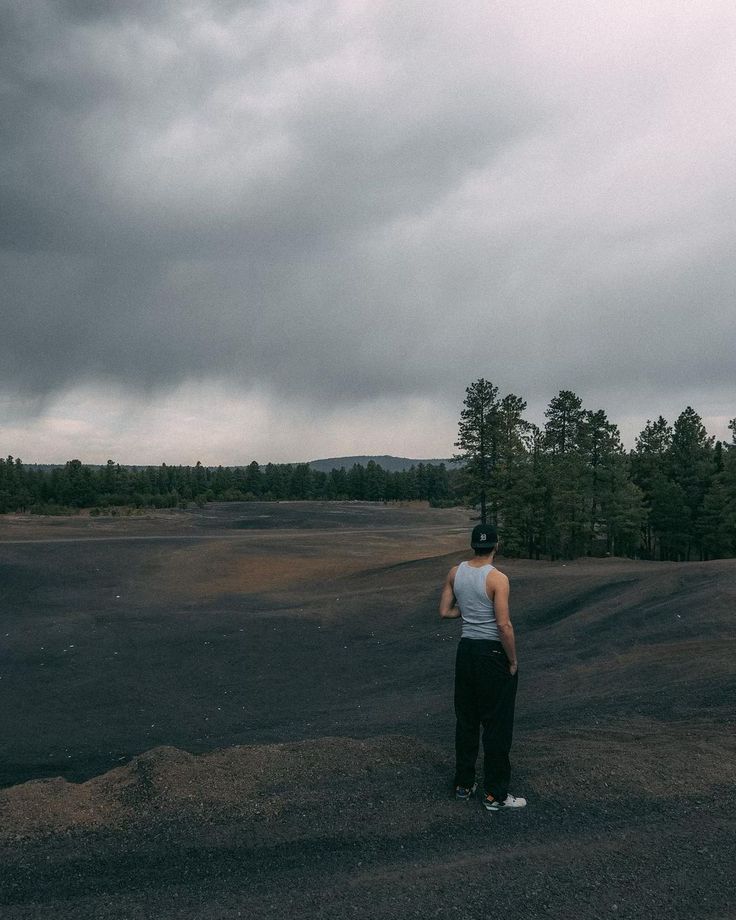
(322, 788)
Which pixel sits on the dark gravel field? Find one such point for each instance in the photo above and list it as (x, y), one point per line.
(246, 711)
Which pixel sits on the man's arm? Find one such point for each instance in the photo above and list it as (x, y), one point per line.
(448, 602)
(498, 590)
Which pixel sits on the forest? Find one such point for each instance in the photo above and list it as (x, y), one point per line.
(560, 491)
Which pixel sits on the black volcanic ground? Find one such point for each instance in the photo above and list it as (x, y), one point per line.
(247, 712)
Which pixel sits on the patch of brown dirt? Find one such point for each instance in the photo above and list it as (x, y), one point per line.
(256, 565)
(258, 783)
(82, 525)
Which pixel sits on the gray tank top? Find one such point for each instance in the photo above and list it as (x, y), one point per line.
(479, 617)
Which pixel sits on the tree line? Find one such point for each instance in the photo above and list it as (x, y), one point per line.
(563, 490)
(112, 486)
(570, 489)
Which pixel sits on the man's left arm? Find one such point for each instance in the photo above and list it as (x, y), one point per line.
(449, 609)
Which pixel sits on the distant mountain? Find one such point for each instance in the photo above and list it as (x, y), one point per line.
(391, 464)
(386, 462)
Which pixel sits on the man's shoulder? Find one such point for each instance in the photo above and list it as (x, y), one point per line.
(455, 569)
(498, 576)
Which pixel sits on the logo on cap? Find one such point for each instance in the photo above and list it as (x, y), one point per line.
(483, 535)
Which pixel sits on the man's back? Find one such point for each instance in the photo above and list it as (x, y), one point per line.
(476, 607)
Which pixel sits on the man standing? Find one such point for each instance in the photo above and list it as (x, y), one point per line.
(486, 671)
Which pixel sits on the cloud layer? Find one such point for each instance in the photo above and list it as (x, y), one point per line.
(351, 203)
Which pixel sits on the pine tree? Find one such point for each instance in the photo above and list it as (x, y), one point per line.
(692, 465)
(511, 475)
(600, 443)
(478, 438)
(717, 523)
(564, 417)
(567, 499)
(375, 482)
(670, 517)
(623, 509)
(650, 466)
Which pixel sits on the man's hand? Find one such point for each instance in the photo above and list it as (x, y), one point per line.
(513, 667)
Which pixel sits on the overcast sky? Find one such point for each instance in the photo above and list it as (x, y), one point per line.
(285, 230)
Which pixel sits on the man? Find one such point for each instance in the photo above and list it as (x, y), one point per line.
(486, 671)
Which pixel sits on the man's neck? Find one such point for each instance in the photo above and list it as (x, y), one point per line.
(479, 561)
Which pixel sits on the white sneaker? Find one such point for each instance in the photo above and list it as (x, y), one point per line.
(463, 793)
(511, 801)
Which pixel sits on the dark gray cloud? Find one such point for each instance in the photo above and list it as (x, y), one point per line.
(342, 201)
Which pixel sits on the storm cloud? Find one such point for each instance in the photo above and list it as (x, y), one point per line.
(348, 203)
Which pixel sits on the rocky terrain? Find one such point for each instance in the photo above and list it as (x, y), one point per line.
(246, 711)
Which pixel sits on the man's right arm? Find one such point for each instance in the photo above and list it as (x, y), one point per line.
(448, 602)
(500, 588)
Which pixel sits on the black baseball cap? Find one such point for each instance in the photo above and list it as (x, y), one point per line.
(484, 536)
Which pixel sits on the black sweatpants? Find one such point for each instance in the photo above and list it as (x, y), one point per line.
(485, 694)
